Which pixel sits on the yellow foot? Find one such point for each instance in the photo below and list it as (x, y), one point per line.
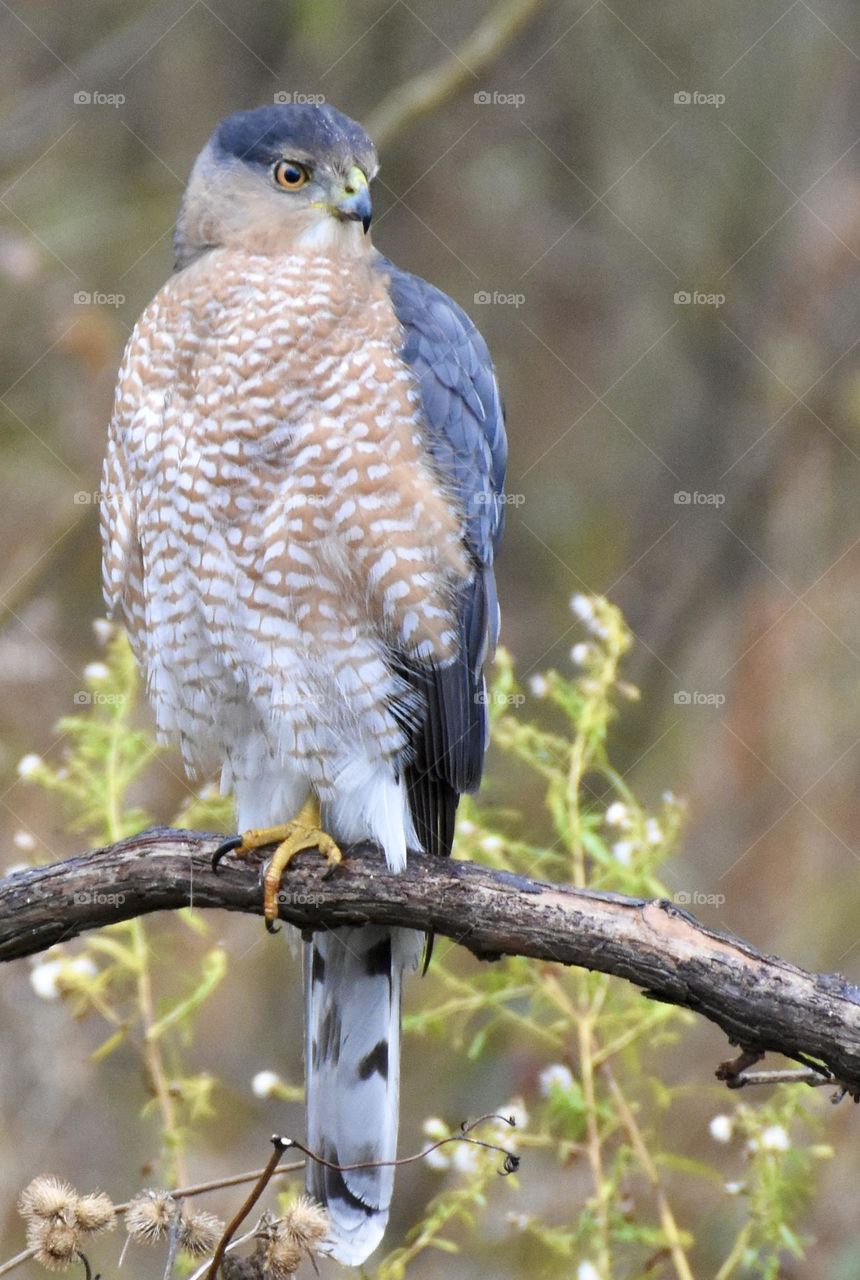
(304, 832)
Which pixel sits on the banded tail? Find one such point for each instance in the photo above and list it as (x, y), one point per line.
(353, 979)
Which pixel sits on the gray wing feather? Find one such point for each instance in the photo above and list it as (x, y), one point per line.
(464, 427)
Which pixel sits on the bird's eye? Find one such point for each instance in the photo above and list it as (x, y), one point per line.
(291, 175)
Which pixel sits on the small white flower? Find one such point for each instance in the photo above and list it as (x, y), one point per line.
(775, 1138)
(96, 671)
(582, 653)
(582, 607)
(466, 827)
(538, 686)
(557, 1076)
(465, 1158)
(587, 1271)
(669, 797)
(28, 765)
(735, 1188)
(653, 832)
(491, 844)
(24, 841)
(618, 815)
(435, 1128)
(515, 1110)
(721, 1128)
(518, 1221)
(437, 1159)
(103, 629)
(622, 851)
(265, 1083)
(46, 977)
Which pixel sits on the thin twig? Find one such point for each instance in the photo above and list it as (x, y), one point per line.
(234, 1244)
(794, 1075)
(172, 1244)
(511, 1163)
(280, 1146)
(218, 1184)
(432, 88)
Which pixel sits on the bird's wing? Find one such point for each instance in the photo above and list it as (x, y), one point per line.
(464, 429)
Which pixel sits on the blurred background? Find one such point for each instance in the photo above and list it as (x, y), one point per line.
(653, 214)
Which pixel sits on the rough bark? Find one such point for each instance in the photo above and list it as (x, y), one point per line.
(761, 1002)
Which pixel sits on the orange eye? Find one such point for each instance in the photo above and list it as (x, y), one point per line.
(291, 175)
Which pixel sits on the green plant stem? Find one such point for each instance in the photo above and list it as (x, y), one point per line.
(736, 1256)
(637, 1141)
(594, 1147)
(177, 1171)
(152, 1054)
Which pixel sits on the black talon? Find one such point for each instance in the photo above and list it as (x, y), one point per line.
(272, 926)
(235, 842)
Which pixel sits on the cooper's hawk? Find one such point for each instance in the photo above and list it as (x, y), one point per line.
(303, 497)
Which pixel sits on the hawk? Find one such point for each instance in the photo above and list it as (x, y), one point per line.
(303, 497)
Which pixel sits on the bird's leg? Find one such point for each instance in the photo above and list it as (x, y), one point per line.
(304, 832)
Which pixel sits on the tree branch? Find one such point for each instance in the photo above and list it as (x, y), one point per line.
(762, 1003)
(409, 101)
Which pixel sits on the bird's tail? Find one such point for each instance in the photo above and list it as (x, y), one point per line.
(352, 1050)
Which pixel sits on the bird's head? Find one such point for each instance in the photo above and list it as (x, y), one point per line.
(278, 179)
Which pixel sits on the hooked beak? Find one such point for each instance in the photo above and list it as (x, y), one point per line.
(353, 203)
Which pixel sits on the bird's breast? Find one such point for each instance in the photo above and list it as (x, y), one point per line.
(276, 425)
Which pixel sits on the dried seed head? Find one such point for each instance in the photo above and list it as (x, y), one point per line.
(47, 1197)
(55, 1243)
(199, 1232)
(235, 1268)
(280, 1258)
(304, 1224)
(275, 1257)
(149, 1215)
(95, 1213)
